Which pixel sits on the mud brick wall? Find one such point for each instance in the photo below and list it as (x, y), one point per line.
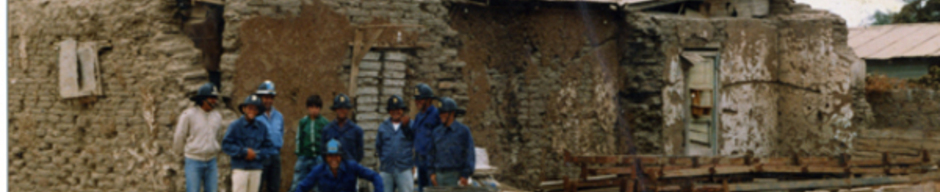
(120, 139)
(906, 109)
(543, 80)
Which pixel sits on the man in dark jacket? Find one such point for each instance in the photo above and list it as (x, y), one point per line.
(247, 142)
(338, 174)
(424, 123)
(344, 130)
(452, 156)
(395, 148)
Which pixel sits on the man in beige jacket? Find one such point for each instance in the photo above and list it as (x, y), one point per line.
(200, 129)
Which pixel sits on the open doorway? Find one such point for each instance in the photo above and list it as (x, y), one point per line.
(701, 101)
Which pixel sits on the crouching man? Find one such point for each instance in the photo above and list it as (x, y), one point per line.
(247, 142)
(338, 174)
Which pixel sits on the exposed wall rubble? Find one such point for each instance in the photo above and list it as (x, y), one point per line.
(120, 139)
(543, 80)
(913, 109)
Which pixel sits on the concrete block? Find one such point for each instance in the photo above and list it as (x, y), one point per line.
(367, 91)
(372, 56)
(370, 65)
(370, 116)
(395, 66)
(393, 82)
(367, 99)
(392, 91)
(368, 74)
(396, 56)
(393, 74)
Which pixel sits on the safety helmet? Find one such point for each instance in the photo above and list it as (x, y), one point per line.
(423, 91)
(449, 105)
(395, 102)
(266, 88)
(204, 91)
(333, 147)
(341, 101)
(252, 100)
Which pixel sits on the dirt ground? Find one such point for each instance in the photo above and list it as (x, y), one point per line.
(302, 55)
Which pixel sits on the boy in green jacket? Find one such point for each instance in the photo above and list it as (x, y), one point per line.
(309, 136)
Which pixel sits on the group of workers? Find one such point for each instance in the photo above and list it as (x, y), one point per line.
(433, 144)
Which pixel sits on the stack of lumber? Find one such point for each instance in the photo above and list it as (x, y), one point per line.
(674, 173)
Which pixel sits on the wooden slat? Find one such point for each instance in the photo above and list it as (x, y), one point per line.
(833, 183)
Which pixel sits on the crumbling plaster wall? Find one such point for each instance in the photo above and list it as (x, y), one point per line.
(120, 139)
(788, 83)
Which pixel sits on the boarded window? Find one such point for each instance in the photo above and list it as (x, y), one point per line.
(77, 69)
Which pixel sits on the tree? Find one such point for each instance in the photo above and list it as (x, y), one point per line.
(914, 11)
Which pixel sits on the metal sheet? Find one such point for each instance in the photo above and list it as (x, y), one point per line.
(896, 41)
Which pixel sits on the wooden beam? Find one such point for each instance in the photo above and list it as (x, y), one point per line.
(833, 183)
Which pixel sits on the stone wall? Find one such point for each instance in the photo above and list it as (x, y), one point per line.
(913, 109)
(120, 139)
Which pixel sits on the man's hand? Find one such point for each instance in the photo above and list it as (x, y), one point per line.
(464, 181)
(413, 170)
(434, 179)
(405, 119)
(251, 155)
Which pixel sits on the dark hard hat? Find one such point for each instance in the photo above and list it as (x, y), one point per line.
(423, 91)
(266, 88)
(449, 105)
(206, 90)
(395, 102)
(252, 100)
(341, 101)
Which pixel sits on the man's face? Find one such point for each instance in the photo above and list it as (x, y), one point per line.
(423, 103)
(396, 114)
(313, 111)
(333, 161)
(210, 102)
(251, 111)
(342, 113)
(447, 118)
(268, 101)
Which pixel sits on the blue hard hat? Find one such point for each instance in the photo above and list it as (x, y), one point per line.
(206, 90)
(341, 101)
(252, 100)
(423, 91)
(333, 147)
(266, 88)
(449, 105)
(395, 102)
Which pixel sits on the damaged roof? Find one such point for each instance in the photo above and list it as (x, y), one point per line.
(896, 41)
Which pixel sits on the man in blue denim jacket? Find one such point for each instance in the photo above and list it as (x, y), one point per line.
(348, 133)
(271, 176)
(395, 148)
(248, 144)
(424, 123)
(452, 156)
(338, 174)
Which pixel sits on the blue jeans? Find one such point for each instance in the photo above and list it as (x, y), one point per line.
(201, 174)
(404, 181)
(302, 167)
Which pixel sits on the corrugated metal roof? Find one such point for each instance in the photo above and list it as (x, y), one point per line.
(896, 41)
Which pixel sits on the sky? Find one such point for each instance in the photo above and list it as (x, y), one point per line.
(857, 13)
